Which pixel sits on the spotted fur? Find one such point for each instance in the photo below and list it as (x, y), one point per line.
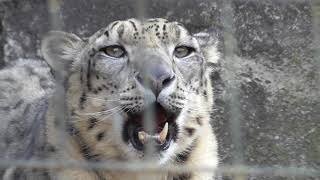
(102, 90)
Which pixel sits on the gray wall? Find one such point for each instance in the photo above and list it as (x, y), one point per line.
(275, 72)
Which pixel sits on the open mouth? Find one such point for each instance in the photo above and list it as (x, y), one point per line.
(164, 132)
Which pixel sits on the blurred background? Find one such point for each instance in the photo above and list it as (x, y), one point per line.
(266, 84)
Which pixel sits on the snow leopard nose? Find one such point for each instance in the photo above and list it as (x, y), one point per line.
(156, 75)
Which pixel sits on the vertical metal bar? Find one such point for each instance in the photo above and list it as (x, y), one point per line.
(54, 13)
(2, 38)
(149, 115)
(59, 96)
(232, 84)
(148, 124)
(141, 9)
(315, 4)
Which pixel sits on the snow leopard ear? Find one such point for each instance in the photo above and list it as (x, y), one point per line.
(209, 46)
(60, 50)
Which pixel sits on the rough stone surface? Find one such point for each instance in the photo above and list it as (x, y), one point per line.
(1, 37)
(274, 70)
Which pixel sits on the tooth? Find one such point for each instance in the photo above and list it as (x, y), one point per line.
(163, 134)
(142, 136)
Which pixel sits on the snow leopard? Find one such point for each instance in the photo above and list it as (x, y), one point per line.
(135, 90)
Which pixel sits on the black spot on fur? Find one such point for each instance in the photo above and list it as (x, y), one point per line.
(134, 25)
(81, 75)
(106, 33)
(182, 157)
(100, 136)
(164, 27)
(95, 158)
(185, 155)
(205, 93)
(92, 123)
(199, 121)
(85, 150)
(89, 75)
(50, 148)
(176, 129)
(180, 97)
(114, 24)
(83, 99)
(72, 131)
(84, 147)
(185, 176)
(190, 131)
(104, 86)
(92, 53)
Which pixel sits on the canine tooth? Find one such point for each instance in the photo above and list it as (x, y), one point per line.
(163, 134)
(142, 136)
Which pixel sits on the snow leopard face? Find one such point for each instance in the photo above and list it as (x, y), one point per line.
(134, 84)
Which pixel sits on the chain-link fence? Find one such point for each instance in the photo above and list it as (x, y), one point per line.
(266, 85)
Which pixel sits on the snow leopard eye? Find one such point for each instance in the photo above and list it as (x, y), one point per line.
(115, 51)
(183, 51)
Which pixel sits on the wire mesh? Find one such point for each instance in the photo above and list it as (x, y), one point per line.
(238, 171)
